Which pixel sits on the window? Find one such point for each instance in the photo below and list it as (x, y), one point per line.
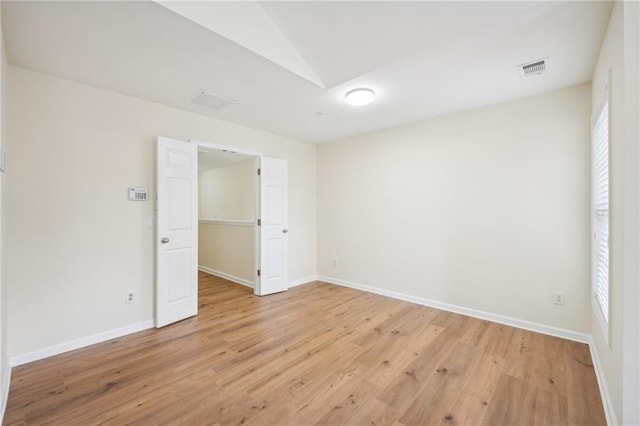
(601, 215)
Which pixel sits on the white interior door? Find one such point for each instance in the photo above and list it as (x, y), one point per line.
(274, 250)
(177, 232)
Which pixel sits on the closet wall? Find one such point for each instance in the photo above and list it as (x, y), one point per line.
(226, 212)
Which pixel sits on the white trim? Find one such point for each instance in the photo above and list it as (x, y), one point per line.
(600, 319)
(5, 393)
(230, 222)
(302, 281)
(224, 147)
(607, 402)
(501, 319)
(82, 342)
(257, 230)
(229, 277)
(294, 283)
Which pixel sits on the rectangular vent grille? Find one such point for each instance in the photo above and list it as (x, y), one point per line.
(209, 100)
(533, 68)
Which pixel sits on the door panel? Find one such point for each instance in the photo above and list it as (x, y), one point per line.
(179, 267)
(180, 196)
(275, 197)
(273, 232)
(274, 258)
(177, 232)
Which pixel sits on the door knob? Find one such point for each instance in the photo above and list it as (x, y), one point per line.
(164, 240)
(285, 230)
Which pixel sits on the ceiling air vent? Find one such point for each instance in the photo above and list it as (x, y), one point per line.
(209, 100)
(534, 68)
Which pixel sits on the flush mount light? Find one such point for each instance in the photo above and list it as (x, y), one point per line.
(360, 96)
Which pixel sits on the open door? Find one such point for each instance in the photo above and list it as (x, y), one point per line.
(273, 242)
(177, 231)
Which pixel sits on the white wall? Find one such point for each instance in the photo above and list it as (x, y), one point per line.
(5, 369)
(76, 243)
(486, 209)
(610, 61)
(227, 250)
(631, 286)
(227, 192)
(619, 359)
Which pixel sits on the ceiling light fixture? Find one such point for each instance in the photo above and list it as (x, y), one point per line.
(360, 96)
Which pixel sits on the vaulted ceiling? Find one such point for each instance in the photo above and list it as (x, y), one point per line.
(288, 65)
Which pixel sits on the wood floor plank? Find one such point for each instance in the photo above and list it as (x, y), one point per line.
(385, 363)
(316, 354)
(404, 389)
(485, 371)
(513, 403)
(372, 412)
(583, 397)
(350, 398)
(441, 387)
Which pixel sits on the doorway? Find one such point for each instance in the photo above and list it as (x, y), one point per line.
(227, 214)
(179, 211)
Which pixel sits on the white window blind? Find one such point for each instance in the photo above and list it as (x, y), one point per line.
(601, 211)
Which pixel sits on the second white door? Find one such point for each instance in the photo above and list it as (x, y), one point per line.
(273, 232)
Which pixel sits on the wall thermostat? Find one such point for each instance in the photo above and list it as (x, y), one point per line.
(138, 194)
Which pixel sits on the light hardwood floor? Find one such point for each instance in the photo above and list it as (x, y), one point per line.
(317, 354)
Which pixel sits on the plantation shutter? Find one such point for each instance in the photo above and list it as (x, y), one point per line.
(601, 211)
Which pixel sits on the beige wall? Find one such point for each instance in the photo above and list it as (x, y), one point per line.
(227, 249)
(228, 192)
(77, 244)
(486, 209)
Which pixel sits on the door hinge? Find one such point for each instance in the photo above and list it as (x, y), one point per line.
(258, 172)
(258, 272)
(259, 222)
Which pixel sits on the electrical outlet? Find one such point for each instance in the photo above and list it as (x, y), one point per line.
(558, 298)
(131, 297)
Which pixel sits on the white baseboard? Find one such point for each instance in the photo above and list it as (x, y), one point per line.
(301, 281)
(39, 354)
(501, 319)
(229, 277)
(607, 403)
(5, 392)
(248, 283)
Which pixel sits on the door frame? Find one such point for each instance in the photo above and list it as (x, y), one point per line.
(257, 235)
